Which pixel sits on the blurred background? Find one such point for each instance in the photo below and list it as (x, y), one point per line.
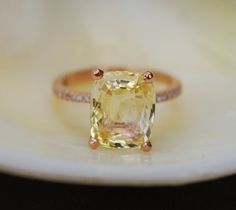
(182, 34)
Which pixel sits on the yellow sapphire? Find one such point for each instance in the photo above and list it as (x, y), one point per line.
(122, 110)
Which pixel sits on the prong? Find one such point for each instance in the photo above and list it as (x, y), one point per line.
(93, 143)
(148, 76)
(147, 146)
(97, 73)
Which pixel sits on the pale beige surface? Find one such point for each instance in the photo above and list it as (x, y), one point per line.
(194, 137)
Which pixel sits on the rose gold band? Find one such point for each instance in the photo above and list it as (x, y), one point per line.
(62, 85)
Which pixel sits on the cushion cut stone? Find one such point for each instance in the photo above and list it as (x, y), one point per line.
(122, 110)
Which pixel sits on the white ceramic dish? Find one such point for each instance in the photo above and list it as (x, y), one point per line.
(194, 137)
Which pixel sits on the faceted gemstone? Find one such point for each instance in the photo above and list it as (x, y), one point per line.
(122, 110)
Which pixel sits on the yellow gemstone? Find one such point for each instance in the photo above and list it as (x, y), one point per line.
(122, 110)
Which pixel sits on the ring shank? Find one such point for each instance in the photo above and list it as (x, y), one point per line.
(61, 85)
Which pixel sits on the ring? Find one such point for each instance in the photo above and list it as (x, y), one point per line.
(122, 103)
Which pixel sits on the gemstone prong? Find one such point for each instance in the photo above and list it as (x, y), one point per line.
(97, 74)
(148, 76)
(147, 146)
(93, 143)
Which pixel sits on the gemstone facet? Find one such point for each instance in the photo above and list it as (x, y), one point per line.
(122, 110)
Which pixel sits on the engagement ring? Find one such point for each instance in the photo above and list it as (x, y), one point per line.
(122, 103)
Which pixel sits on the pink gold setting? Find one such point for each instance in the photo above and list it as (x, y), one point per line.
(93, 143)
(62, 88)
(97, 74)
(147, 146)
(148, 76)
